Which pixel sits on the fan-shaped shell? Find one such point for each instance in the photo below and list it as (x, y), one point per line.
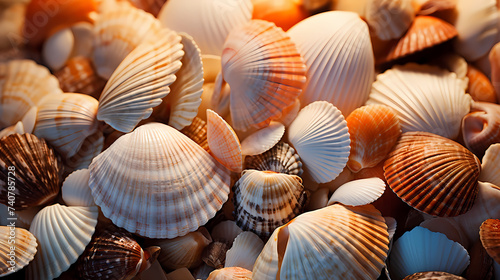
(181, 185)
(62, 233)
(480, 87)
(358, 192)
(433, 275)
(75, 189)
(481, 127)
(389, 19)
(320, 136)
(339, 59)
(197, 131)
(489, 233)
(140, 82)
(223, 142)
(263, 139)
(265, 71)
(30, 171)
(433, 174)
(17, 243)
(425, 98)
(490, 171)
(230, 273)
(245, 250)
(281, 158)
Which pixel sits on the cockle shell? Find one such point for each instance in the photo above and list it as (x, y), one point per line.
(481, 127)
(433, 275)
(490, 166)
(262, 140)
(140, 82)
(490, 238)
(281, 158)
(424, 97)
(320, 136)
(339, 59)
(480, 87)
(30, 168)
(181, 185)
(75, 189)
(389, 19)
(223, 142)
(24, 244)
(433, 174)
(265, 71)
(17, 128)
(62, 233)
(341, 242)
(374, 130)
(230, 273)
(358, 192)
(25, 125)
(245, 250)
(197, 131)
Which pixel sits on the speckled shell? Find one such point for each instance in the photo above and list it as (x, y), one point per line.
(389, 19)
(481, 127)
(489, 232)
(433, 174)
(281, 158)
(230, 273)
(245, 250)
(223, 142)
(25, 249)
(433, 275)
(480, 87)
(490, 171)
(32, 166)
(79, 76)
(75, 189)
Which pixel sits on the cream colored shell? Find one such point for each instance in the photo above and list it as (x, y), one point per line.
(17, 249)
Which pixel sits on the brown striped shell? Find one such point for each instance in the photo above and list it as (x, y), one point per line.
(489, 233)
(197, 131)
(282, 158)
(24, 244)
(79, 76)
(433, 275)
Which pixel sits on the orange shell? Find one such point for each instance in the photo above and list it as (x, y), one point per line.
(223, 142)
(489, 232)
(480, 87)
(284, 13)
(79, 76)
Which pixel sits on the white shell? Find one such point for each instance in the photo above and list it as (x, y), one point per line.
(389, 19)
(339, 59)
(320, 136)
(57, 48)
(83, 34)
(263, 139)
(75, 189)
(17, 128)
(391, 226)
(62, 233)
(490, 171)
(358, 192)
(425, 98)
(19, 244)
(245, 250)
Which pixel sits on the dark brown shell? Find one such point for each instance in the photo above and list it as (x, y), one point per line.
(489, 232)
(32, 167)
(433, 275)
(197, 131)
(282, 158)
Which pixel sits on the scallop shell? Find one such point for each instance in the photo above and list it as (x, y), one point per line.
(433, 174)
(281, 158)
(480, 87)
(75, 189)
(490, 171)
(320, 136)
(262, 140)
(23, 84)
(374, 130)
(34, 168)
(339, 59)
(425, 98)
(197, 131)
(481, 127)
(265, 71)
(24, 244)
(217, 17)
(421, 250)
(358, 192)
(245, 250)
(433, 275)
(65, 120)
(140, 82)
(490, 238)
(181, 185)
(265, 200)
(223, 142)
(62, 233)
(341, 242)
(391, 226)
(494, 60)
(389, 19)
(91, 147)
(230, 273)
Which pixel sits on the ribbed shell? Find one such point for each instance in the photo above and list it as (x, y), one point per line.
(389, 19)
(265, 71)
(339, 59)
(480, 87)
(33, 168)
(223, 142)
(489, 233)
(281, 158)
(481, 127)
(266, 200)
(433, 275)
(79, 76)
(181, 185)
(24, 244)
(433, 174)
(197, 131)
(230, 273)
(75, 189)
(358, 192)
(245, 250)
(263, 139)
(490, 171)
(425, 98)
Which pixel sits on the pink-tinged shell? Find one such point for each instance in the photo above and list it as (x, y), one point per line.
(481, 127)
(197, 131)
(223, 142)
(231, 273)
(489, 232)
(480, 87)
(374, 130)
(265, 71)
(79, 76)
(490, 171)
(433, 174)
(281, 158)
(494, 58)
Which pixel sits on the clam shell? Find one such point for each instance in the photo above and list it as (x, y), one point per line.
(358, 192)
(34, 168)
(433, 174)
(374, 130)
(481, 127)
(197, 131)
(281, 158)
(91, 147)
(339, 59)
(490, 238)
(223, 142)
(57, 48)
(245, 250)
(75, 189)
(425, 98)
(140, 82)
(181, 185)
(262, 140)
(490, 171)
(265, 71)
(480, 87)
(230, 273)
(320, 136)
(83, 33)
(389, 19)
(62, 233)
(433, 275)
(24, 244)
(180, 274)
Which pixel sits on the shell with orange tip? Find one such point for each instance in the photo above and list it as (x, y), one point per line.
(284, 13)
(230, 273)
(489, 232)
(389, 19)
(494, 59)
(490, 171)
(481, 127)
(223, 142)
(25, 249)
(374, 130)
(480, 87)
(79, 76)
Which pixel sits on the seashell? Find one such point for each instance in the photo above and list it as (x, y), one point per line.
(315, 5)
(318, 199)
(421, 250)
(351, 6)
(245, 250)
(62, 233)
(218, 18)
(374, 130)
(230, 273)
(214, 254)
(456, 64)
(433, 174)
(320, 136)
(448, 227)
(188, 191)
(262, 82)
(57, 48)
(24, 244)
(202, 272)
(428, 7)
(23, 85)
(494, 59)
(226, 232)
(65, 120)
(331, 238)
(33, 167)
(284, 13)
(480, 87)
(389, 19)
(83, 33)
(75, 189)
(290, 113)
(281, 158)
(25, 217)
(490, 167)
(223, 142)
(489, 234)
(425, 98)
(220, 97)
(262, 140)
(140, 81)
(481, 127)
(391, 226)
(339, 59)
(433, 275)
(358, 192)
(91, 147)
(151, 6)
(197, 131)
(17, 128)
(424, 32)
(265, 200)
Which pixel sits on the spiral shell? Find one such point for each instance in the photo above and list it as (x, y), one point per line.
(481, 127)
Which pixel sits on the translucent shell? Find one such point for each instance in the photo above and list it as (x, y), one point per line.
(320, 136)
(223, 142)
(433, 174)
(281, 158)
(230, 273)
(374, 130)
(140, 82)
(265, 71)
(263, 139)
(339, 59)
(158, 183)
(245, 250)
(79, 76)
(490, 171)
(197, 131)
(75, 189)
(389, 19)
(425, 98)
(481, 127)
(480, 87)
(25, 249)
(35, 169)
(489, 233)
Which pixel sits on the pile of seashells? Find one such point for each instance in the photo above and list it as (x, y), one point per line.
(249, 139)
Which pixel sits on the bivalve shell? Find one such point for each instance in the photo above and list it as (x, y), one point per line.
(230, 273)
(223, 142)
(389, 19)
(197, 131)
(262, 140)
(490, 171)
(433, 275)
(281, 158)
(245, 250)
(480, 87)
(358, 192)
(489, 232)
(18, 243)
(76, 190)
(79, 76)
